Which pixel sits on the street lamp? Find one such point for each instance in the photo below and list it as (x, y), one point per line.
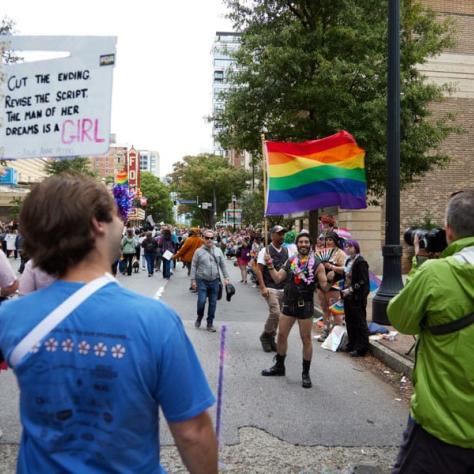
(234, 198)
(392, 251)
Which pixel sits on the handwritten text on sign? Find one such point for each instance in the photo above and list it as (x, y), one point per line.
(59, 107)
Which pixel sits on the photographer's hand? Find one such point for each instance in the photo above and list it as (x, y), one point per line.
(419, 252)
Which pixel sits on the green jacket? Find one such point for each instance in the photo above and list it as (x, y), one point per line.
(128, 244)
(441, 290)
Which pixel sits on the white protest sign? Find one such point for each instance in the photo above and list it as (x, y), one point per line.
(61, 106)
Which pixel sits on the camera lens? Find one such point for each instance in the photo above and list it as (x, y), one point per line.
(411, 232)
(436, 240)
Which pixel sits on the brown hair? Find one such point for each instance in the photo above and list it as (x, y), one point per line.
(55, 220)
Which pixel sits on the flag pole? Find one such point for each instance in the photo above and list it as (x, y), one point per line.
(264, 170)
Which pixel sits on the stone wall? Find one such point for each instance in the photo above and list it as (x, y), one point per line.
(452, 7)
(429, 194)
(365, 226)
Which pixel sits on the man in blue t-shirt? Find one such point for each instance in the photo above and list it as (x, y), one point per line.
(90, 390)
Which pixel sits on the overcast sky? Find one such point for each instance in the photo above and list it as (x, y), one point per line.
(163, 76)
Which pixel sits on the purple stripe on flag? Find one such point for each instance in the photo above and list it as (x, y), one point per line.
(344, 201)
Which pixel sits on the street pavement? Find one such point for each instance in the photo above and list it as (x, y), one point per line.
(348, 406)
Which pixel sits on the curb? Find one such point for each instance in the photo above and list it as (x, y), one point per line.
(391, 358)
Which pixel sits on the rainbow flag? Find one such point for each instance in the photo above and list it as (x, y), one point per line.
(315, 174)
(121, 178)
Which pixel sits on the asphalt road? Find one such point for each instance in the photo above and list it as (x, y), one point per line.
(348, 406)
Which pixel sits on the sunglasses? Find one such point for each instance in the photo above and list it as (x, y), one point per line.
(208, 238)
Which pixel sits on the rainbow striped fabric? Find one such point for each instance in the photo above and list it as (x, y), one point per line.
(315, 174)
(121, 178)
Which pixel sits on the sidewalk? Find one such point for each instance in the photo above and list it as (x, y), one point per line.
(399, 354)
(395, 354)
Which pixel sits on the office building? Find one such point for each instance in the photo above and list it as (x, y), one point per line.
(224, 44)
(150, 161)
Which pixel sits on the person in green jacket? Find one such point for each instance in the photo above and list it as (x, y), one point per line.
(440, 434)
(128, 249)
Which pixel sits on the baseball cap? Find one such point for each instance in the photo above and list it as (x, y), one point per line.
(276, 229)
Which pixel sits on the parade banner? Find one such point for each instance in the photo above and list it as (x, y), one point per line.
(57, 107)
(315, 174)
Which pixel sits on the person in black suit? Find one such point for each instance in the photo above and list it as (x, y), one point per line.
(355, 292)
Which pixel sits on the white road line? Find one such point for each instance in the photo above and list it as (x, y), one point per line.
(160, 291)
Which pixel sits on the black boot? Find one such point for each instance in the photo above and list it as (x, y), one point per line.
(273, 343)
(266, 339)
(305, 375)
(277, 369)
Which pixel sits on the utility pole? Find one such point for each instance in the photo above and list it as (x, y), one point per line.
(233, 211)
(214, 206)
(392, 251)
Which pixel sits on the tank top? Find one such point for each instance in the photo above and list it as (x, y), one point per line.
(279, 259)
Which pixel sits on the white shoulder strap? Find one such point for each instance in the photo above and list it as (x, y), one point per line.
(465, 255)
(56, 316)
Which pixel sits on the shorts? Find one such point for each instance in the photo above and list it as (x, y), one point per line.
(298, 309)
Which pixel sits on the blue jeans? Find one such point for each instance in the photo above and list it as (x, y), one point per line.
(150, 262)
(207, 289)
(166, 268)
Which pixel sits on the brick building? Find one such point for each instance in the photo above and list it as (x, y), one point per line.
(108, 165)
(428, 196)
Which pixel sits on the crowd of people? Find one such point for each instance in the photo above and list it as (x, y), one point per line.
(86, 313)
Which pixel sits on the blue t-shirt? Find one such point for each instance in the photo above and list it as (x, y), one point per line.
(90, 391)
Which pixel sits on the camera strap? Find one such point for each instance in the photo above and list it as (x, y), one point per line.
(452, 326)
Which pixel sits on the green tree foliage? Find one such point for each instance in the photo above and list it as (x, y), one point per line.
(205, 176)
(309, 68)
(7, 27)
(16, 204)
(252, 209)
(158, 196)
(78, 165)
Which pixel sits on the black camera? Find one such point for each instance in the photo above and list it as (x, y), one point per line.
(433, 240)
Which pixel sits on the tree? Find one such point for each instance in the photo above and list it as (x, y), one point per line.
(159, 204)
(78, 165)
(7, 27)
(208, 178)
(109, 180)
(252, 209)
(309, 68)
(15, 209)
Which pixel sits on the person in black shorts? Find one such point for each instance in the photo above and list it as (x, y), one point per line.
(304, 272)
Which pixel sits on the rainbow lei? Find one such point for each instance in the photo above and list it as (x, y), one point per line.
(303, 268)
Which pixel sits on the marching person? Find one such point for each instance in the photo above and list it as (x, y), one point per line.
(327, 299)
(33, 278)
(8, 280)
(355, 292)
(150, 248)
(111, 362)
(269, 289)
(8, 286)
(437, 304)
(165, 244)
(243, 258)
(302, 273)
(190, 245)
(128, 249)
(208, 262)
